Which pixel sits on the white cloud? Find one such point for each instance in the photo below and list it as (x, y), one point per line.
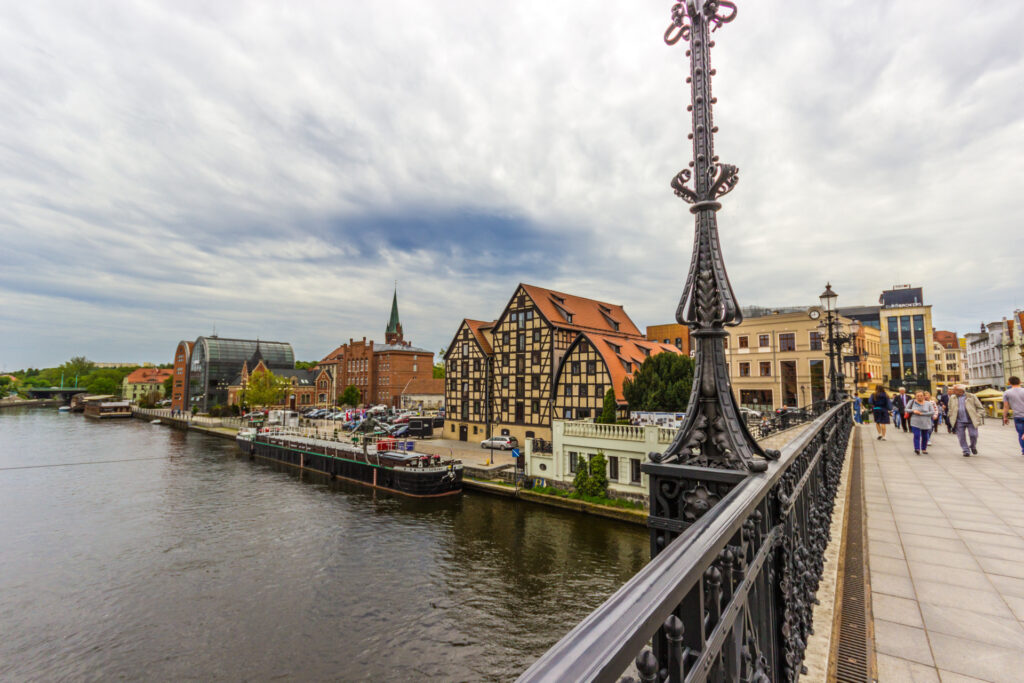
(166, 167)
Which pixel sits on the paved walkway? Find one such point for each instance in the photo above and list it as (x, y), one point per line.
(946, 556)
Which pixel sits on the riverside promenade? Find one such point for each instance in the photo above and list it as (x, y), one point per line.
(946, 556)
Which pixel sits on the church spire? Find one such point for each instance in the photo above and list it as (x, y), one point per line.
(393, 334)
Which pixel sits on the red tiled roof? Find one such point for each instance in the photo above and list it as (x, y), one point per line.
(477, 327)
(619, 352)
(424, 386)
(149, 375)
(586, 314)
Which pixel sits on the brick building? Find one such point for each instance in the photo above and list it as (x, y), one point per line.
(307, 388)
(380, 371)
(182, 357)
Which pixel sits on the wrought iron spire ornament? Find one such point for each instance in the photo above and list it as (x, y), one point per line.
(713, 433)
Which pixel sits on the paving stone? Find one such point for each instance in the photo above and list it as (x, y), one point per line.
(980, 660)
(1002, 567)
(1006, 540)
(966, 578)
(972, 599)
(891, 584)
(954, 545)
(967, 623)
(884, 549)
(921, 529)
(1007, 585)
(902, 641)
(961, 560)
(896, 669)
(898, 610)
(950, 677)
(889, 565)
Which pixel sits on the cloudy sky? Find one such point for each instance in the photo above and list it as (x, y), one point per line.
(271, 169)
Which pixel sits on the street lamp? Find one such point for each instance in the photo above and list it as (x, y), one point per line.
(836, 340)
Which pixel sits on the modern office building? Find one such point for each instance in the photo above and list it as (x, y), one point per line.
(906, 328)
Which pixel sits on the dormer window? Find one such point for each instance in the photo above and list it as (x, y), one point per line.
(611, 321)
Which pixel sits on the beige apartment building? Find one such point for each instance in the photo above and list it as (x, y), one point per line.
(778, 359)
(868, 345)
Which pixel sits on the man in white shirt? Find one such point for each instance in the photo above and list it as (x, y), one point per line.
(1013, 400)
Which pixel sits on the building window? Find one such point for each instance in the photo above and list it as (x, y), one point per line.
(567, 414)
(504, 338)
(535, 382)
(476, 385)
(536, 335)
(568, 390)
(634, 471)
(744, 369)
(504, 382)
(476, 365)
(766, 368)
(504, 360)
(787, 341)
(476, 408)
(815, 341)
(591, 367)
(762, 341)
(583, 390)
(535, 407)
(613, 468)
(744, 343)
(520, 342)
(574, 459)
(574, 367)
(504, 404)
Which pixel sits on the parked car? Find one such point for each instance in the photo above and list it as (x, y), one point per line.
(750, 414)
(400, 430)
(421, 427)
(502, 443)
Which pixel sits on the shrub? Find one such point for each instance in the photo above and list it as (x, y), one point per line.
(597, 483)
(582, 475)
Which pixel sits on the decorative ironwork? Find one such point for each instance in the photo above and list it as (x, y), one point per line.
(713, 435)
(731, 595)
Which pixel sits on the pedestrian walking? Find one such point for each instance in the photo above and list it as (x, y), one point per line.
(881, 404)
(902, 401)
(944, 403)
(937, 415)
(965, 412)
(1013, 399)
(856, 411)
(921, 411)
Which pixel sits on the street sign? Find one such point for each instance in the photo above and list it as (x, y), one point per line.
(515, 452)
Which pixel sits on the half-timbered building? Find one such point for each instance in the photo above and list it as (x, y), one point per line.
(592, 365)
(527, 345)
(468, 381)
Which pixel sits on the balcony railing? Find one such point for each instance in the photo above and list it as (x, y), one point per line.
(730, 592)
(604, 431)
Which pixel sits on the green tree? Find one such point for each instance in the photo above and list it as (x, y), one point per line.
(78, 366)
(265, 389)
(439, 371)
(350, 397)
(169, 386)
(103, 385)
(608, 411)
(306, 364)
(597, 483)
(662, 383)
(582, 477)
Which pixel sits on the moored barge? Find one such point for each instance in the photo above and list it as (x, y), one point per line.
(377, 465)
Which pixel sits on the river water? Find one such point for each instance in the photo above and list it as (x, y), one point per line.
(134, 551)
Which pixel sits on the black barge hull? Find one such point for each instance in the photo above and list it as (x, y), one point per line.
(430, 482)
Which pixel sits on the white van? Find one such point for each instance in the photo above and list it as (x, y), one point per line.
(283, 418)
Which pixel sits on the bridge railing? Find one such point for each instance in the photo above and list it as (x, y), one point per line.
(729, 593)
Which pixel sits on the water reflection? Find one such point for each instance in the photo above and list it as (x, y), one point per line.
(199, 563)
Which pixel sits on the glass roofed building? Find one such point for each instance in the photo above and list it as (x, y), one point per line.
(216, 361)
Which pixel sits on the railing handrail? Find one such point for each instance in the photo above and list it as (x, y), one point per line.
(604, 644)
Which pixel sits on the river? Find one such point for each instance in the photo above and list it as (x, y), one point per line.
(135, 551)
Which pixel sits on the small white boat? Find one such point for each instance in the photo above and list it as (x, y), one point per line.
(64, 409)
(154, 422)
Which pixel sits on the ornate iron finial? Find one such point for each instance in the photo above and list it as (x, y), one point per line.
(713, 433)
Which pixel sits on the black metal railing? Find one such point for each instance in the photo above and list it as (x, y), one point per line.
(729, 593)
(769, 422)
